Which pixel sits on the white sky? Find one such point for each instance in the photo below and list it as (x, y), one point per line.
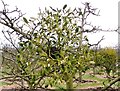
(108, 15)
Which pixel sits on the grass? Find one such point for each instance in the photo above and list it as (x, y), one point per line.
(94, 78)
(86, 85)
(97, 82)
(3, 83)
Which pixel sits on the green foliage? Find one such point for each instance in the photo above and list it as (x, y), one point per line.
(25, 20)
(52, 48)
(58, 28)
(64, 6)
(107, 58)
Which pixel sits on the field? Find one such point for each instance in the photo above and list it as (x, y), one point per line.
(90, 82)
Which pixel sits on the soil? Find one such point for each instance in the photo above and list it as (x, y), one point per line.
(14, 88)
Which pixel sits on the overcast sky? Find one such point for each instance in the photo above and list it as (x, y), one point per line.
(108, 15)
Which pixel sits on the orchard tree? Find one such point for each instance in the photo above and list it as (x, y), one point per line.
(107, 58)
(52, 47)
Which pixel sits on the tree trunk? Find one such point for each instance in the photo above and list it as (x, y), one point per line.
(94, 71)
(80, 76)
(69, 83)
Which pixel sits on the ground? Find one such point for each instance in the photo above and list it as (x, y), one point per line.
(90, 82)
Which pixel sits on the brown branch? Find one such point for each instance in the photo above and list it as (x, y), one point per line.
(10, 40)
(6, 77)
(111, 83)
(97, 42)
(9, 59)
(8, 51)
(10, 22)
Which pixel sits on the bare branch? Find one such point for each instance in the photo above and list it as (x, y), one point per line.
(97, 42)
(10, 40)
(11, 22)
